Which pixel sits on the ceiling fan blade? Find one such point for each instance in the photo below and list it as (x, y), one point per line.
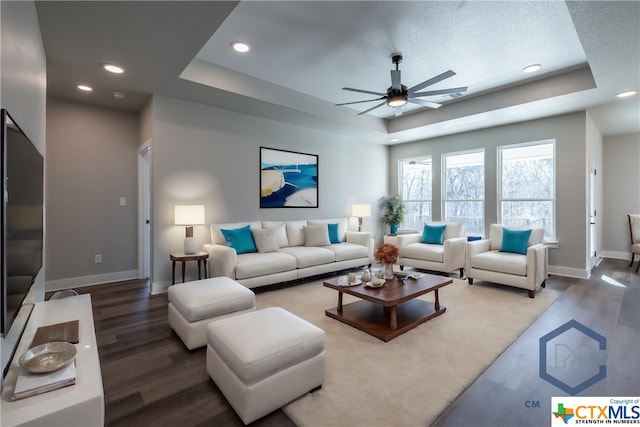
(424, 103)
(432, 81)
(364, 91)
(358, 102)
(372, 108)
(395, 80)
(441, 91)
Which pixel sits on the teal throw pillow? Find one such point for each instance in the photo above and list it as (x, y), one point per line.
(240, 239)
(433, 234)
(515, 241)
(334, 237)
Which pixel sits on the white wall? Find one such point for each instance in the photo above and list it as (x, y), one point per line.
(91, 164)
(23, 86)
(205, 155)
(621, 154)
(569, 131)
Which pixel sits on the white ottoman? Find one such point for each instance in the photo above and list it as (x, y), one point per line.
(264, 360)
(192, 305)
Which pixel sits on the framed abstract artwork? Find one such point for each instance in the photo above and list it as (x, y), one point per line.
(288, 179)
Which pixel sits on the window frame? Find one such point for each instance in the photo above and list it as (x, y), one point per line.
(444, 198)
(499, 199)
(405, 200)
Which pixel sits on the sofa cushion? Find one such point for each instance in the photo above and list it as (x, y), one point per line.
(240, 239)
(334, 236)
(424, 251)
(495, 236)
(433, 234)
(346, 251)
(280, 231)
(256, 264)
(316, 235)
(501, 262)
(295, 233)
(515, 241)
(216, 236)
(453, 230)
(308, 256)
(265, 240)
(342, 225)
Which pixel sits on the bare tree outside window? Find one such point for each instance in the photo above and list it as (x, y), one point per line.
(527, 186)
(463, 195)
(416, 176)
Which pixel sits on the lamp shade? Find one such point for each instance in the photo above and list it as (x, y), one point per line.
(361, 211)
(189, 214)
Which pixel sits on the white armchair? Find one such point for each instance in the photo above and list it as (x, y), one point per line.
(486, 261)
(445, 257)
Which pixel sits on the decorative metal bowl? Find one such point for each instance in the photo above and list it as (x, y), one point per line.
(48, 357)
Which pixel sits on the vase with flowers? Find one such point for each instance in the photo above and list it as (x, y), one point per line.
(387, 254)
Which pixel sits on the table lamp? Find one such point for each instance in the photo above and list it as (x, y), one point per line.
(189, 215)
(361, 211)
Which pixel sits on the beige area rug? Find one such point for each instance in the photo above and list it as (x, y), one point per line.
(409, 380)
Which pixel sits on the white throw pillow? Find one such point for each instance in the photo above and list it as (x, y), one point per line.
(316, 235)
(265, 240)
(279, 231)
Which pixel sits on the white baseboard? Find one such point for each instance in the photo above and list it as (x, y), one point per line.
(569, 272)
(98, 279)
(616, 255)
(159, 287)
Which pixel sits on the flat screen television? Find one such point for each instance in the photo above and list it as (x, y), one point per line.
(22, 218)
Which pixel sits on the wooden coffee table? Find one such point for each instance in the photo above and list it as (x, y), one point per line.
(391, 310)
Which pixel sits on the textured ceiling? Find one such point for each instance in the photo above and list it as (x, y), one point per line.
(317, 48)
(303, 53)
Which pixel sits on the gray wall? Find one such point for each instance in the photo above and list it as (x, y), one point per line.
(23, 87)
(622, 195)
(570, 258)
(92, 163)
(205, 155)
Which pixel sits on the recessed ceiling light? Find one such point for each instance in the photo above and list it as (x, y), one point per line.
(531, 68)
(119, 95)
(627, 93)
(113, 68)
(241, 47)
(394, 140)
(85, 88)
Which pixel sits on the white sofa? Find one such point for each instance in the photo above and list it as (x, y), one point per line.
(294, 256)
(445, 257)
(486, 261)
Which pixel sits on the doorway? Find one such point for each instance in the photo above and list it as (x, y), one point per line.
(144, 210)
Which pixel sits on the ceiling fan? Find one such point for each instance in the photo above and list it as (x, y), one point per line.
(398, 95)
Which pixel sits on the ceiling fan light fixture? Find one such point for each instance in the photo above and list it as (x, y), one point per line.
(396, 101)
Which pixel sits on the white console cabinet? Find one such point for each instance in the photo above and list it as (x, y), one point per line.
(79, 405)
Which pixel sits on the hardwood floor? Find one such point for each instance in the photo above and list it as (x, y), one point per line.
(508, 391)
(150, 378)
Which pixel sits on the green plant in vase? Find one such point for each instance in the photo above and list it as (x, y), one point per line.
(393, 213)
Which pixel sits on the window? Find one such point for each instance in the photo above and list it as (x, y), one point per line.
(526, 195)
(415, 190)
(463, 189)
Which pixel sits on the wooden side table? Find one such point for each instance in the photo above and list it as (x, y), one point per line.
(201, 257)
